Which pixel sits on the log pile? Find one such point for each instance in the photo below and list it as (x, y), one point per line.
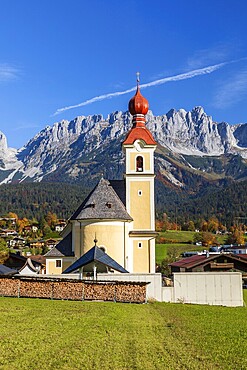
(9, 287)
(67, 290)
(35, 289)
(130, 293)
(59, 288)
(99, 291)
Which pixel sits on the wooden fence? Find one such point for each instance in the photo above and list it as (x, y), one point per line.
(77, 290)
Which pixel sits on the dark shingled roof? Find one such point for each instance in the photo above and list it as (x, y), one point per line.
(103, 203)
(97, 256)
(4, 270)
(63, 248)
(120, 188)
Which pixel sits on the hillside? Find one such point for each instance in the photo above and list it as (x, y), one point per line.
(37, 199)
(34, 200)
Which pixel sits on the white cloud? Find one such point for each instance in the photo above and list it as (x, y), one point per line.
(8, 72)
(209, 56)
(232, 91)
(179, 77)
(25, 127)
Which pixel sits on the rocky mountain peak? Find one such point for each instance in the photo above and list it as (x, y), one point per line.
(69, 143)
(3, 143)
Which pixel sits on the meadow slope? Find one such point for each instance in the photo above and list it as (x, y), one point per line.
(95, 335)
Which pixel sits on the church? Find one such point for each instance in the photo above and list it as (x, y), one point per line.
(113, 230)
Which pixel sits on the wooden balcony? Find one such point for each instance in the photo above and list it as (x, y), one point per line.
(223, 266)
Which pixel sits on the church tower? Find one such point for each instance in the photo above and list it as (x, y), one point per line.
(139, 146)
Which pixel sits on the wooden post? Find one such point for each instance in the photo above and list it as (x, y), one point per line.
(19, 288)
(94, 272)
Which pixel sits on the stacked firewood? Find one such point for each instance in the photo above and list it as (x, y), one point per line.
(130, 293)
(67, 290)
(35, 289)
(9, 287)
(99, 291)
(58, 288)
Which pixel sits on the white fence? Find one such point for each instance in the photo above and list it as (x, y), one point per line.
(224, 289)
(213, 288)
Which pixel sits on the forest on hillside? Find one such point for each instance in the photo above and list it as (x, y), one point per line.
(227, 203)
(35, 200)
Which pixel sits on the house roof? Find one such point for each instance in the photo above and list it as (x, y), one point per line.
(35, 260)
(4, 270)
(190, 262)
(38, 258)
(97, 256)
(242, 256)
(29, 265)
(63, 248)
(102, 203)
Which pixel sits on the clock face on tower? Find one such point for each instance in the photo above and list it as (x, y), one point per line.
(138, 145)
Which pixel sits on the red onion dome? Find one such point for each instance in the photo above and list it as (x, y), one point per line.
(138, 104)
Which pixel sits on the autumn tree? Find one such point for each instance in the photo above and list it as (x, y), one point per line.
(12, 215)
(4, 252)
(51, 219)
(213, 224)
(206, 238)
(158, 225)
(21, 223)
(236, 237)
(204, 225)
(191, 226)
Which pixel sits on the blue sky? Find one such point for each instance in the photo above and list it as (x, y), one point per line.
(60, 53)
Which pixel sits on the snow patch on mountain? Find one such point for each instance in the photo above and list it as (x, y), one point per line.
(66, 143)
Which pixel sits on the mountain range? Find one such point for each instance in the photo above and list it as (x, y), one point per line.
(200, 165)
(189, 143)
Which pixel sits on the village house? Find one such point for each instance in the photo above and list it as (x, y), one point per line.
(4, 233)
(60, 226)
(36, 243)
(211, 263)
(26, 264)
(17, 242)
(50, 243)
(30, 229)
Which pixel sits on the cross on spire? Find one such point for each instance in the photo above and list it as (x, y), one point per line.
(138, 78)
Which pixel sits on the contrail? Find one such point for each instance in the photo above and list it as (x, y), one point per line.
(183, 76)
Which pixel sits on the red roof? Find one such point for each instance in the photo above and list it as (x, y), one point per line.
(244, 256)
(139, 133)
(138, 104)
(138, 107)
(190, 262)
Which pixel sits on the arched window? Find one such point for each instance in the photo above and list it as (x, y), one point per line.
(139, 163)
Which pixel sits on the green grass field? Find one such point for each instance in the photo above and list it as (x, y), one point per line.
(182, 241)
(95, 335)
(162, 249)
(179, 236)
